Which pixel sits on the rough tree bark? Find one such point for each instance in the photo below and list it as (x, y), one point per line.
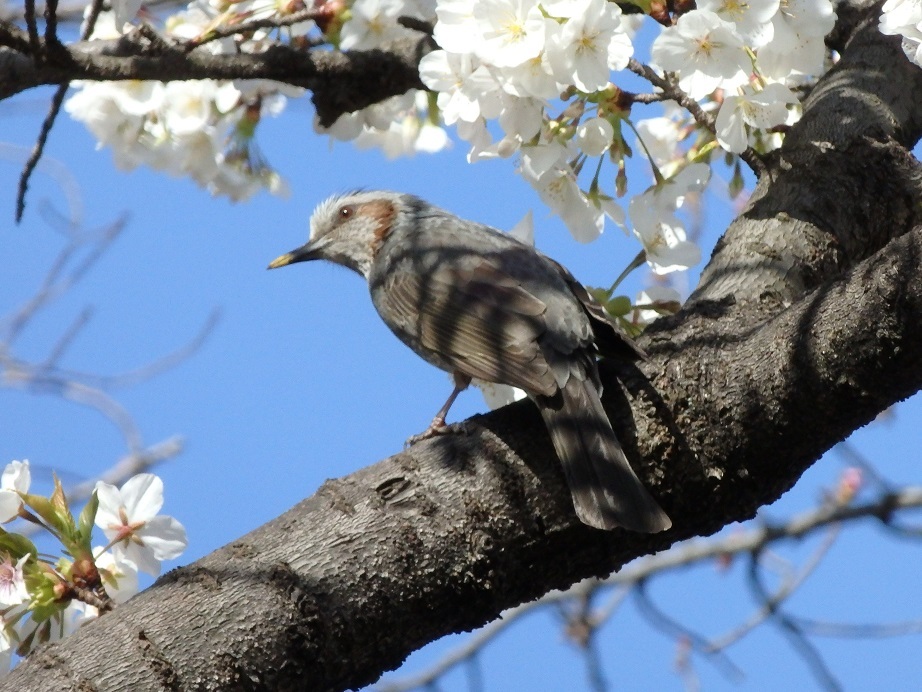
(804, 327)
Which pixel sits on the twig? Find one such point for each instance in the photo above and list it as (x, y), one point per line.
(863, 631)
(59, 94)
(89, 24)
(794, 634)
(37, 150)
(66, 339)
(686, 554)
(35, 44)
(463, 653)
(649, 98)
(51, 23)
(53, 285)
(253, 25)
(675, 629)
(702, 117)
(782, 593)
(146, 372)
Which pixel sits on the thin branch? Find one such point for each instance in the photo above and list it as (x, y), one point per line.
(649, 98)
(89, 24)
(37, 150)
(859, 631)
(675, 629)
(57, 100)
(798, 640)
(684, 555)
(51, 23)
(702, 117)
(252, 25)
(66, 339)
(462, 654)
(35, 44)
(54, 285)
(146, 372)
(787, 588)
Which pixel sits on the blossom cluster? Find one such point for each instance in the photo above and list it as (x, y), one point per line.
(42, 600)
(516, 77)
(201, 129)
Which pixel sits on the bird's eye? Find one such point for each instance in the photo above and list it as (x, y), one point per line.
(346, 212)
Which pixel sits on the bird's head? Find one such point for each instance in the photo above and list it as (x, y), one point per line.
(350, 229)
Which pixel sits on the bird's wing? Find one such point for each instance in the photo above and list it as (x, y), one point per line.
(479, 320)
(609, 339)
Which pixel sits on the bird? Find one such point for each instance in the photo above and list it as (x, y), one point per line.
(478, 303)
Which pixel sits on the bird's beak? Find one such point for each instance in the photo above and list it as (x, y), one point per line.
(302, 254)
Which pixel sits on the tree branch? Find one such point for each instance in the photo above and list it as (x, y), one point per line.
(340, 82)
(805, 327)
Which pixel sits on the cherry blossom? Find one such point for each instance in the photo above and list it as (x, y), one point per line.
(752, 109)
(372, 23)
(656, 225)
(591, 42)
(706, 52)
(452, 31)
(467, 89)
(594, 136)
(904, 18)
(752, 18)
(119, 574)
(128, 516)
(15, 480)
(512, 31)
(797, 46)
(653, 302)
(12, 584)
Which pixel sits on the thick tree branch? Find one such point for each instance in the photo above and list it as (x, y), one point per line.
(805, 327)
(340, 82)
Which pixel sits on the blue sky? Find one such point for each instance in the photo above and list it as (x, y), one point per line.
(300, 382)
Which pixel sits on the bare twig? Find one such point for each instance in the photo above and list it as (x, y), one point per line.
(787, 588)
(702, 117)
(146, 372)
(252, 25)
(677, 630)
(862, 631)
(37, 150)
(35, 44)
(57, 100)
(692, 552)
(798, 640)
(55, 283)
(51, 23)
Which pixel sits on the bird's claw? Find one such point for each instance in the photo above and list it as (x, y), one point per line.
(436, 429)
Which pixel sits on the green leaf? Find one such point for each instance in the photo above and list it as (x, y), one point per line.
(86, 521)
(600, 294)
(619, 306)
(45, 509)
(16, 546)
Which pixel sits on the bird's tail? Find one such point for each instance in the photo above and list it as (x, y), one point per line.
(606, 491)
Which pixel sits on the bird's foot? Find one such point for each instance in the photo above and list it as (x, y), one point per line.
(436, 429)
